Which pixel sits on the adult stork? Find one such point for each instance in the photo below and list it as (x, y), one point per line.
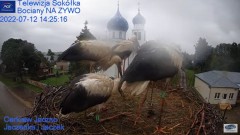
(99, 54)
(125, 48)
(88, 90)
(153, 62)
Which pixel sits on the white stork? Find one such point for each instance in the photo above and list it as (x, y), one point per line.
(125, 48)
(88, 90)
(100, 53)
(153, 62)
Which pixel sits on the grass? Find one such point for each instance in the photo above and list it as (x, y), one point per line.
(13, 84)
(175, 80)
(190, 76)
(56, 81)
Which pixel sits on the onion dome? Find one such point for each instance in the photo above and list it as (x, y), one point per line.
(118, 23)
(138, 19)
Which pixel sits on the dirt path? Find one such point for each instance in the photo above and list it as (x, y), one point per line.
(11, 104)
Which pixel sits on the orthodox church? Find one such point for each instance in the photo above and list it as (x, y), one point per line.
(118, 27)
(117, 31)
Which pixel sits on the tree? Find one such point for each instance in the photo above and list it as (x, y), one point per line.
(51, 54)
(187, 60)
(18, 54)
(77, 68)
(202, 54)
(226, 57)
(86, 34)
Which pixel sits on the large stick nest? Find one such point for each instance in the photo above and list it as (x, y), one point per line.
(183, 113)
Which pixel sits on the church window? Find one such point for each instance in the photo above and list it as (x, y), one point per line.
(135, 33)
(120, 35)
(113, 35)
(139, 35)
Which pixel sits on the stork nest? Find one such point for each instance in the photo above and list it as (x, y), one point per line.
(182, 114)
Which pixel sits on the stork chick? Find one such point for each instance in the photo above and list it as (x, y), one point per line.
(87, 91)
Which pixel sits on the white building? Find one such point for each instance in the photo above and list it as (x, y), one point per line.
(218, 86)
(117, 31)
(139, 30)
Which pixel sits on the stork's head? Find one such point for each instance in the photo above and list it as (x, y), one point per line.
(118, 61)
(135, 43)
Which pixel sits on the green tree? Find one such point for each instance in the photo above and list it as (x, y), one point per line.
(187, 60)
(18, 54)
(77, 68)
(51, 54)
(86, 34)
(202, 55)
(226, 57)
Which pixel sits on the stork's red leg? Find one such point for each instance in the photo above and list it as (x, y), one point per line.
(123, 66)
(150, 109)
(140, 107)
(159, 129)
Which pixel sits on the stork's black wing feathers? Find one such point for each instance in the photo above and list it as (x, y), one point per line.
(76, 53)
(74, 101)
(78, 99)
(152, 62)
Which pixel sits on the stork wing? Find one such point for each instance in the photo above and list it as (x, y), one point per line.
(97, 84)
(86, 50)
(86, 91)
(152, 62)
(123, 48)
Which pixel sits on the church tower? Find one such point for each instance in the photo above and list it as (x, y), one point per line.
(139, 24)
(117, 27)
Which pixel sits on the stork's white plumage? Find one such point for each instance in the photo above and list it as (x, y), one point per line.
(86, 91)
(100, 53)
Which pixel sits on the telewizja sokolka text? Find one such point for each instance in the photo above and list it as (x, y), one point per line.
(39, 10)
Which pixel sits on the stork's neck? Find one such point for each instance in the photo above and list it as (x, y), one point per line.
(116, 84)
(114, 60)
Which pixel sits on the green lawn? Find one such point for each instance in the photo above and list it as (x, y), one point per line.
(13, 84)
(56, 81)
(190, 77)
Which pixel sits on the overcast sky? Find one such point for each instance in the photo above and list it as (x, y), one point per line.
(180, 22)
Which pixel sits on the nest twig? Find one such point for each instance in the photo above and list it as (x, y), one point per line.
(184, 113)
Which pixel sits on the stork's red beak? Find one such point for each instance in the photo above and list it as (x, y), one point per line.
(119, 69)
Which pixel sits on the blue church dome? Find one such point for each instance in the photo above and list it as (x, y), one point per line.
(139, 19)
(118, 23)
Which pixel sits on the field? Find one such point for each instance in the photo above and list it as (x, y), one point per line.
(13, 84)
(56, 81)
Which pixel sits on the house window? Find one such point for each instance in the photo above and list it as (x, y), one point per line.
(231, 95)
(113, 35)
(120, 35)
(224, 96)
(217, 95)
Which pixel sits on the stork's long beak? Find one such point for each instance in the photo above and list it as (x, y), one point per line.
(119, 69)
(120, 90)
